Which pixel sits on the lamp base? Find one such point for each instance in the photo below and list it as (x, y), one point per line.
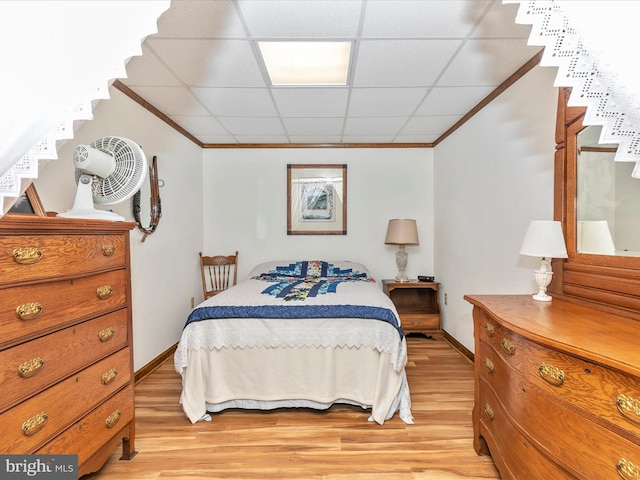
(401, 262)
(541, 297)
(543, 278)
(402, 277)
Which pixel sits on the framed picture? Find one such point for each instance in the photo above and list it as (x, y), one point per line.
(316, 199)
(28, 204)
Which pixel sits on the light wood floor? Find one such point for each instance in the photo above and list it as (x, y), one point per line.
(338, 444)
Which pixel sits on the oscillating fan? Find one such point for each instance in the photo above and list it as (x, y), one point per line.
(108, 171)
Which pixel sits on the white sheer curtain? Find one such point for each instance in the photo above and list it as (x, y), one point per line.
(56, 58)
(592, 43)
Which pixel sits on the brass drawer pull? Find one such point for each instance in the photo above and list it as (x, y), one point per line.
(106, 334)
(488, 410)
(489, 365)
(489, 329)
(34, 424)
(629, 408)
(109, 376)
(31, 367)
(508, 347)
(551, 374)
(27, 255)
(627, 470)
(112, 419)
(29, 311)
(104, 292)
(108, 250)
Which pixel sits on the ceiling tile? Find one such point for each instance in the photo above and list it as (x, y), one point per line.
(313, 126)
(171, 100)
(434, 125)
(248, 125)
(219, 139)
(487, 62)
(148, 70)
(422, 138)
(315, 138)
(199, 125)
(420, 18)
(402, 63)
(452, 100)
(311, 102)
(210, 63)
(236, 102)
(275, 139)
(204, 19)
(368, 102)
(301, 19)
(373, 138)
(374, 125)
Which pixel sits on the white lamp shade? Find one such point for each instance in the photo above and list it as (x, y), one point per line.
(402, 231)
(594, 236)
(544, 239)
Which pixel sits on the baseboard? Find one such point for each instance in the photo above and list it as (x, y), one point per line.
(458, 346)
(155, 363)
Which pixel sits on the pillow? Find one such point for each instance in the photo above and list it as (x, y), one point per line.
(268, 267)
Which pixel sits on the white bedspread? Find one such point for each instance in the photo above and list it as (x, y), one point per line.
(272, 362)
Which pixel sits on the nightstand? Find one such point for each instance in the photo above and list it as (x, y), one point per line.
(418, 305)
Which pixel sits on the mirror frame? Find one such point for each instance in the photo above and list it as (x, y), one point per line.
(156, 206)
(610, 282)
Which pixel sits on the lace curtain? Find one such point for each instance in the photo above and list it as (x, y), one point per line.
(57, 58)
(590, 42)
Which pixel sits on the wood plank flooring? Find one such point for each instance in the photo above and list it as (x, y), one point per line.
(338, 444)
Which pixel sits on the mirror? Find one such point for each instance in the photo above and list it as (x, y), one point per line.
(147, 214)
(595, 194)
(607, 199)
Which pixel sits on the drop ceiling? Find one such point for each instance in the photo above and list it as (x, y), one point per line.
(418, 66)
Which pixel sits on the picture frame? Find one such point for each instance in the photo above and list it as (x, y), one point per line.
(316, 199)
(28, 203)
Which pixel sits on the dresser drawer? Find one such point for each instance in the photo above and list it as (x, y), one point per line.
(504, 341)
(26, 258)
(504, 441)
(594, 450)
(419, 322)
(496, 372)
(34, 309)
(96, 428)
(37, 420)
(30, 367)
(605, 393)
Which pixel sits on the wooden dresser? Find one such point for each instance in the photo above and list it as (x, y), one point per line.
(66, 365)
(557, 389)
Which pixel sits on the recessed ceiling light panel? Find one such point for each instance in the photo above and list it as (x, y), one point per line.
(306, 63)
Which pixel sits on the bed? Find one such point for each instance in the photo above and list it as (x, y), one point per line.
(295, 334)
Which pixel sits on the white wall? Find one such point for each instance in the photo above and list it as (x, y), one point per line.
(165, 271)
(245, 206)
(493, 176)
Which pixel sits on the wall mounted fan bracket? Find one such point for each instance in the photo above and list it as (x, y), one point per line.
(83, 204)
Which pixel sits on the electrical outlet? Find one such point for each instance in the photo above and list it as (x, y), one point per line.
(193, 302)
(445, 298)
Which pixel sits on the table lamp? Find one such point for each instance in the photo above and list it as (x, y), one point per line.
(544, 239)
(402, 232)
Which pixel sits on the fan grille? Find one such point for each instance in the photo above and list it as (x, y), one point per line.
(129, 173)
